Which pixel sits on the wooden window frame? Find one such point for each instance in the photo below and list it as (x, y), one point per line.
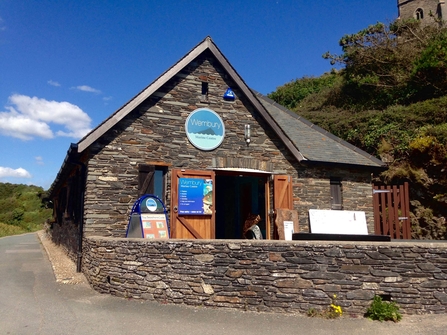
(336, 194)
(146, 179)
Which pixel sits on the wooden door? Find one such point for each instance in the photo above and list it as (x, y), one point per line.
(282, 197)
(282, 192)
(187, 226)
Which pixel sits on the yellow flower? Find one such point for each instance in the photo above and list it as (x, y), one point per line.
(337, 309)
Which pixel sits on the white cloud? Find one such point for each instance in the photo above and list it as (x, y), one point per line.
(29, 117)
(53, 83)
(16, 173)
(86, 88)
(39, 160)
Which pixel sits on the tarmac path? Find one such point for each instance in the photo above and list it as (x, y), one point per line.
(32, 302)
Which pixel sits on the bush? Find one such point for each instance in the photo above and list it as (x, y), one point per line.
(291, 94)
(383, 310)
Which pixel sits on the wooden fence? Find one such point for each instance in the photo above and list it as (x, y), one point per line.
(392, 211)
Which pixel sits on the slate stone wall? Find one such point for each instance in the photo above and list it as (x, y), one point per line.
(312, 191)
(155, 134)
(273, 276)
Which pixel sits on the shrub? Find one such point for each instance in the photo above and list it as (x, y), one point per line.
(383, 310)
(290, 94)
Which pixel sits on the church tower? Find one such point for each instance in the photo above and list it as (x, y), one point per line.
(421, 9)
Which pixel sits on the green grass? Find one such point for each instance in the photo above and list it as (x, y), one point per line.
(9, 230)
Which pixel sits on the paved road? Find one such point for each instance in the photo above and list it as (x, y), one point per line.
(32, 302)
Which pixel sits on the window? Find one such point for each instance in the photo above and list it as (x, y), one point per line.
(419, 14)
(151, 180)
(336, 199)
(204, 88)
(204, 91)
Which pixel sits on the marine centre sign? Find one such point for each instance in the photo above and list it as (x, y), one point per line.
(205, 129)
(195, 196)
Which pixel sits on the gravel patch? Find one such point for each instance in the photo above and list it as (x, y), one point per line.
(63, 267)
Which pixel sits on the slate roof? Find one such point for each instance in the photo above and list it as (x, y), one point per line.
(313, 142)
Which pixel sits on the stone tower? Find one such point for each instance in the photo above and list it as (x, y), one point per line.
(421, 9)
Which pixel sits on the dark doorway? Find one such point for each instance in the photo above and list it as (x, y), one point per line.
(236, 197)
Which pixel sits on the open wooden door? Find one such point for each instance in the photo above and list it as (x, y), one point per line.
(282, 197)
(282, 192)
(186, 225)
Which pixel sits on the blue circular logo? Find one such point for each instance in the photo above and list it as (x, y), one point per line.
(151, 204)
(205, 129)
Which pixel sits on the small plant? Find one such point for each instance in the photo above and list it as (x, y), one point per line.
(383, 310)
(313, 312)
(332, 312)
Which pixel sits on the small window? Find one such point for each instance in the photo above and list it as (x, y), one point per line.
(419, 14)
(336, 199)
(151, 180)
(204, 88)
(204, 91)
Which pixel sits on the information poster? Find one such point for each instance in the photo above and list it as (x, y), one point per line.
(195, 196)
(154, 225)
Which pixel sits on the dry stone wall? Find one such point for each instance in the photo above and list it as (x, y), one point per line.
(273, 276)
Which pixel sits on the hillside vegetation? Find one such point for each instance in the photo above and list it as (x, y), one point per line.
(21, 209)
(390, 99)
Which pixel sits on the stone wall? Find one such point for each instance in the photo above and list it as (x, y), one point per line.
(407, 9)
(312, 191)
(273, 276)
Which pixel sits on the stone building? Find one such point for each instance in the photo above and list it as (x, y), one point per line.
(425, 10)
(199, 120)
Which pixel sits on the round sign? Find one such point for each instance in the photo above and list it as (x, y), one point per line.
(151, 204)
(205, 129)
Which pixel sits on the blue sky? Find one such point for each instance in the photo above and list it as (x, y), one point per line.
(65, 66)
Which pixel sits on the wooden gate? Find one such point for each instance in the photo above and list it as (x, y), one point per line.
(392, 211)
(191, 226)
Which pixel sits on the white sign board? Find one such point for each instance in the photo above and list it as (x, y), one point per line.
(337, 222)
(288, 230)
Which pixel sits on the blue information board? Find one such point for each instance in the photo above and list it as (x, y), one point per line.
(148, 218)
(195, 196)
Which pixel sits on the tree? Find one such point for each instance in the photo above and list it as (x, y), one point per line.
(388, 64)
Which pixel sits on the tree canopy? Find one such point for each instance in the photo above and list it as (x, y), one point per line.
(399, 63)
